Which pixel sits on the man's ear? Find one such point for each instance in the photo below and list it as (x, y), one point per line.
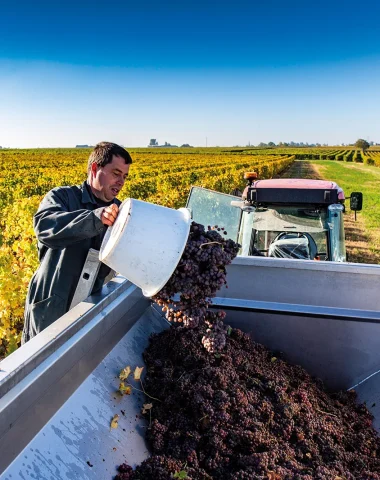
(94, 169)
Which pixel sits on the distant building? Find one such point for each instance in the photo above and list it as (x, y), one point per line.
(154, 143)
(82, 146)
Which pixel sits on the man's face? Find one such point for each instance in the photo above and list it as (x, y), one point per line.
(106, 182)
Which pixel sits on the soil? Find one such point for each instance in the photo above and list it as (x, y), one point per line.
(300, 169)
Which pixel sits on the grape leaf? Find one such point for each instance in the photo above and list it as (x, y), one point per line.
(146, 407)
(115, 421)
(138, 372)
(124, 373)
(181, 474)
(125, 389)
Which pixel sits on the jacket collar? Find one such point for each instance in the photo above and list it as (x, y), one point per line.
(87, 195)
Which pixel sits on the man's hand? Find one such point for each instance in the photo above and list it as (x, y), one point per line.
(109, 214)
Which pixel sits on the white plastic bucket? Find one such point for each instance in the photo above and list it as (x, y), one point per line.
(145, 243)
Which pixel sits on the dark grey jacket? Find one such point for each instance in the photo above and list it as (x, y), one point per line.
(67, 224)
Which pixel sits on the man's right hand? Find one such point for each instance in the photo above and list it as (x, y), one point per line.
(109, 214)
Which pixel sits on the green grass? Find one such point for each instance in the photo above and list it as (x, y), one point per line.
(356, 177)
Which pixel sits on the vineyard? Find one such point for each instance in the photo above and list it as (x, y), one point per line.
(162, 176)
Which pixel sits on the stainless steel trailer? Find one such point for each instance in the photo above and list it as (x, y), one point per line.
(58, 393)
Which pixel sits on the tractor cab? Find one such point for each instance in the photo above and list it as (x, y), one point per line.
(278, 218)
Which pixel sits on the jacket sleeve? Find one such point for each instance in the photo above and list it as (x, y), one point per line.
(58, 227)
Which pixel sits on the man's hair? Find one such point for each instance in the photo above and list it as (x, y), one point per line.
(103, 153)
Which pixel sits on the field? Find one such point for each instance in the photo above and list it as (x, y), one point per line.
(161, 176)
(158, 176)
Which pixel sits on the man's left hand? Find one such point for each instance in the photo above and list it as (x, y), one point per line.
(109, 214)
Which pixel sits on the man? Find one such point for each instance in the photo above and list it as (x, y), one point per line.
(70, 221)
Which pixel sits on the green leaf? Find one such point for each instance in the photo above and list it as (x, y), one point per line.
(181, 474)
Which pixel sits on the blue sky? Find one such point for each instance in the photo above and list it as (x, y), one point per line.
(181, 72)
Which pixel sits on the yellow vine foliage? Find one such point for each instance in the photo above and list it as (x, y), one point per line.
(158, 176)
(18, 261)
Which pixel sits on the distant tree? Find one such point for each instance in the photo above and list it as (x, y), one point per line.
(271, 144)
(262, 145)
(363, 144)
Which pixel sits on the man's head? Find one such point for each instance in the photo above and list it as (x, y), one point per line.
(108, 167)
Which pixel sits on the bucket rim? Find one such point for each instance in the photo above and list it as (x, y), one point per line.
(103, 251)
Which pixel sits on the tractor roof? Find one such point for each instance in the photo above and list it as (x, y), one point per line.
(295, 183)
(299, 183)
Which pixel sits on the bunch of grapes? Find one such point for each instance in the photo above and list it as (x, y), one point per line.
(246, 414)
(161, 468)
(215, 337)
(200, 273)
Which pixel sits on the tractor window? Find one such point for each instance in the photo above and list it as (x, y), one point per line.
(290, 232)
(213, 208)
